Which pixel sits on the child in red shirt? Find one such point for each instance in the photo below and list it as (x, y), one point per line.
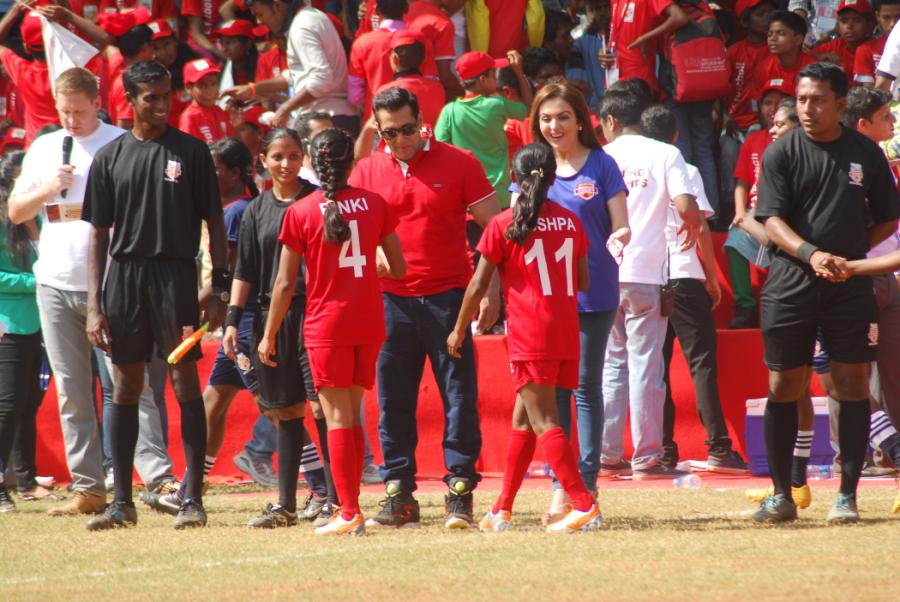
(856, 21)
(132, 36)
(540, 250)
(743, 56)
(202, 118)
(338, 231)
(869, 53)
(786, 58)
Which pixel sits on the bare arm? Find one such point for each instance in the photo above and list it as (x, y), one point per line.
(393, 254)
(886, 264)
(9, 20)
(366, 140)
(196, 25)
(240, 292)
(97, 326)
(707, 254)
(479, 285)
(675, 18)
(218, 252)
(267, 87)
(26, 205)
(282, 293)
(448, 80)
(228, 11)
(584, 275)
(483, 213)
(686, 206)
(99, 38)
(787, 240)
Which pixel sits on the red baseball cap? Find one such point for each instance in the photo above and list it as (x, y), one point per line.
(779, 85)
(14, 138)
(859, 6)
(253, 114)
(196, 70)
(161, 29)
(745, 5)
(118, 24)
(240, 27)
(472, 64)
(32, 31)
(405, 37)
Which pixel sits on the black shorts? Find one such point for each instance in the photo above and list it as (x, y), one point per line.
(290, 382)
(795, 303)
(150, 304)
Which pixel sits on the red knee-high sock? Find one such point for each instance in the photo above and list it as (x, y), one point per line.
(342, 448)
(561, 459)
(518, 457)
(360, 440)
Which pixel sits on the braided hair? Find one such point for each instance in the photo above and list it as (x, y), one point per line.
(18, 239)
(535, 169)
(332, 158)
(235, 155)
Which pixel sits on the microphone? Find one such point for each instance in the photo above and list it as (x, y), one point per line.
(66, 156)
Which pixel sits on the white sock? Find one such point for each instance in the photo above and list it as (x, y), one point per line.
(803, 443)
(880, 428)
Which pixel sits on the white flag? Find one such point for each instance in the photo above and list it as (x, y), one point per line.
(64, 50)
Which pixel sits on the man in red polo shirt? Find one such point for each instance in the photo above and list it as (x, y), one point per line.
(425, 17)
(430, 186)
(369, 66)
(869, 53)
(635, 32)
(856, 21)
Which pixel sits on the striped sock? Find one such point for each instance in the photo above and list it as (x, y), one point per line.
(881, 428)
(802, 449)
(309, 458)
(208, 465)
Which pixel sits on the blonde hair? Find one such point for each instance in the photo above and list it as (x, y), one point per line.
(76, 80)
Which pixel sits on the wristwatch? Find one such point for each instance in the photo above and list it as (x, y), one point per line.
(223, 295)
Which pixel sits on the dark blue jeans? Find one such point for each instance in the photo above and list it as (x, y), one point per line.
(594, 328)
(417, 327)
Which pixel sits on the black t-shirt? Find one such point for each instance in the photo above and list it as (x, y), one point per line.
(153, 193)
(828, 193)
(259, 251)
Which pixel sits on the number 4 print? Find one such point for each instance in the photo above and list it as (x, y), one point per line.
(565, 252)
(354, 259)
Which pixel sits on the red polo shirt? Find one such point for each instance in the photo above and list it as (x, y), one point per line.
(209, 124)
(866, 60)
(435, 26)
(370, 60)
(630, 19)
(32, 81)
(270, 63)
(430, 197)
(429, 92)
(507, 32)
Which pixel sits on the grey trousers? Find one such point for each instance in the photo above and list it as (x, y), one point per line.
(64, 319)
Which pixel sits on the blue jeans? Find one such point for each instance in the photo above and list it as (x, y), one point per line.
(261, 446)
(633, 376)
(417, 327)
(696, 141)
(593, 330)
(98, 366)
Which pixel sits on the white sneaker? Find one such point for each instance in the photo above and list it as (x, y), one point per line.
(577, 520)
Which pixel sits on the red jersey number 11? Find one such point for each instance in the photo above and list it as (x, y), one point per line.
(564, 253)
(350, 256)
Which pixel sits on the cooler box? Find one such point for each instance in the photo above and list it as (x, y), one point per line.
(821, 453)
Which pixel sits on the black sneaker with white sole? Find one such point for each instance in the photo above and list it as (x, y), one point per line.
(622, 468)
(458, 503)
(115, 516)
(167, 503)
(6, 502)
(312, 507)
(325, 515)
(657, 471)
(273, 516)
(191, 514)
(399, 509)
(726, 461)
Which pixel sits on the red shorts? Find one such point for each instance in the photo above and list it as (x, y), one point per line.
(344, 367)
(561, 373)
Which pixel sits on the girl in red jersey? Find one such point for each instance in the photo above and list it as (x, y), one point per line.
(338, 230)
(541, 251)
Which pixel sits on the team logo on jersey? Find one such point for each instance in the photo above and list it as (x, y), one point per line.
(173, 171)
(586, 190)
(873, 334)
(856, 174)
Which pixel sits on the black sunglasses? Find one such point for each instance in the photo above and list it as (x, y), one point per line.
(407, 130)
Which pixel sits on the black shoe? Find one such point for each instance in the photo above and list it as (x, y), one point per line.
(167, 503)
(312, 507)
(325, 514)
(670, 456)
(458, 503)
(398, 509)
(744, 317)
(776, 509)
(622, 468)
(657, 471)
(6, 502)
(273, 516)
(726, 461)
(191, 514)
(114, 516)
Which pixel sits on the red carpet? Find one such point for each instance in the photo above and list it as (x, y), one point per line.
(742, 375)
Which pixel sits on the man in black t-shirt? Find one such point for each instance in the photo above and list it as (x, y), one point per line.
(153, 186)
(825, 192)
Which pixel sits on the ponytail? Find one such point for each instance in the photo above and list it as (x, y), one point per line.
(535, 169)
(235, 155)
(332, 158)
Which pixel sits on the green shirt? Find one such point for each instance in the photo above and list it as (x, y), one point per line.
(477, 124)
(18, 298)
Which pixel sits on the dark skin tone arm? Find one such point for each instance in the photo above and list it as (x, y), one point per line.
(824, 263)
(97, 326)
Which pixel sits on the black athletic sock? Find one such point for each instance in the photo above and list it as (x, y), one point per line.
(853, 439)
(322, 428)
(290, 440)
(123, 426)
(802, 449)
(193, 438)
(780, 422)
(311, 466)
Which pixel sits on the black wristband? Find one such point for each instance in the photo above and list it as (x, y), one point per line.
(221, 279)
(233, 316)
(805, 251)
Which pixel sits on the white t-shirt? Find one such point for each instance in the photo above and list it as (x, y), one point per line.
(686, 264)
(654, 173)
(63, 246)
(890, 58)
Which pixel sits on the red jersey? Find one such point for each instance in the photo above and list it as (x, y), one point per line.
(180, 101)
(866, 60)
(430, 197)
(32, 81)
(118, 104)
(507, 33)
(518, 134)
(749, 161)
(370, 60)
(343, 298)
(158, 9)
(742, 59)
(270, 63)
(207, 9)
(630, 19)
(10, 107)
(430, 93)
(770, 69)
(540, 282)
(209, 124)
(435, 26)
(368, 22)
(837, 47)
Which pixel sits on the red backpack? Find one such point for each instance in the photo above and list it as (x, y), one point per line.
(692, 62)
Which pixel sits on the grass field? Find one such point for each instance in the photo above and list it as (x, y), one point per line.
(656, 544)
